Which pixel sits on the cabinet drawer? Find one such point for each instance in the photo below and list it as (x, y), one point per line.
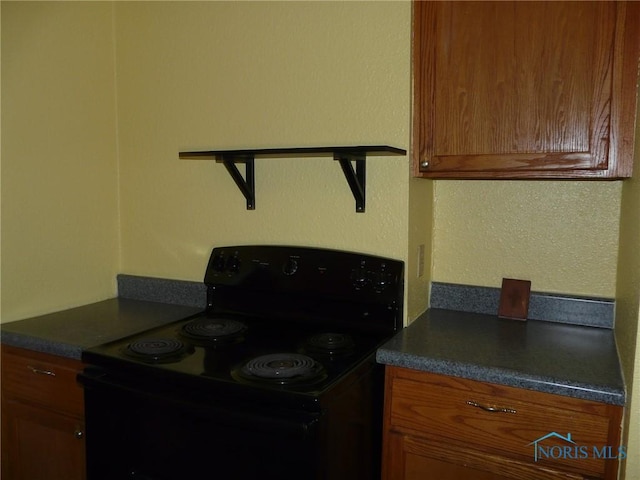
(504, 420)
(42, 379)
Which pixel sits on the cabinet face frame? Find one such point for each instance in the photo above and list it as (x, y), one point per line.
(611, 116)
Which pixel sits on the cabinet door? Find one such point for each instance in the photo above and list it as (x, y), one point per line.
(525, 89)
(414, 458)
(40, 444)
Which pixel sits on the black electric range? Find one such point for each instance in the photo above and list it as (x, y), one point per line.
(288, 341)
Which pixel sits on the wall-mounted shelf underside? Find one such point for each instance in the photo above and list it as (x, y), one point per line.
(346, 156)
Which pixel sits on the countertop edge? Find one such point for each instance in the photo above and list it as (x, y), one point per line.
(42, 345)
(500, 376)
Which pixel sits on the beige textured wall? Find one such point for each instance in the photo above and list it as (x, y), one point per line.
(628, 310)
(59, 169)
(563, 236)
(251, 75)
(192, 75)
(420, 233)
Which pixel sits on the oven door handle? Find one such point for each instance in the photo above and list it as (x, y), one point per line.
(297, 423)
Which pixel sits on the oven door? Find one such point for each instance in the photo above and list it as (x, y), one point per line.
(133, 432)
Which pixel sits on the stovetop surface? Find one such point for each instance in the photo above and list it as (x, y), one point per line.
(219, 365)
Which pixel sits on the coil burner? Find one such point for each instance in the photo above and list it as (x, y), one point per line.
(282, 368)
(330, 344)
(217, 331)
(158, 350)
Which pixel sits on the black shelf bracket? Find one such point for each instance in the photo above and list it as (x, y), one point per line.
(247, 184)
(346, 156)
(357, 179)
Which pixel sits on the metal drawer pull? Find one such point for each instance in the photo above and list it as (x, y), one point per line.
(40, 371)
(487, 408)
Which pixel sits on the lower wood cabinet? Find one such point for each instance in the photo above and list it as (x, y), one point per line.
(444, 427)
(42, 417)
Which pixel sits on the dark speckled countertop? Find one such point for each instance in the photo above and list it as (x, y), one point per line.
(571, 360)
(567, 346)
(67, 332)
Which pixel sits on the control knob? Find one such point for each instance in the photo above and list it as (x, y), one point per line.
(218, 262)
(290, 266)
(233, 264)
(359, 277)
(381, 279)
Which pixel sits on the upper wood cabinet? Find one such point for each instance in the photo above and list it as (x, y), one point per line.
(525, 89)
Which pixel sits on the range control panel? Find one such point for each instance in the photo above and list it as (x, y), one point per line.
(313, 271)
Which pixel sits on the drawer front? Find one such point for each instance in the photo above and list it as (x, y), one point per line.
(42, 379)
(502, 419)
